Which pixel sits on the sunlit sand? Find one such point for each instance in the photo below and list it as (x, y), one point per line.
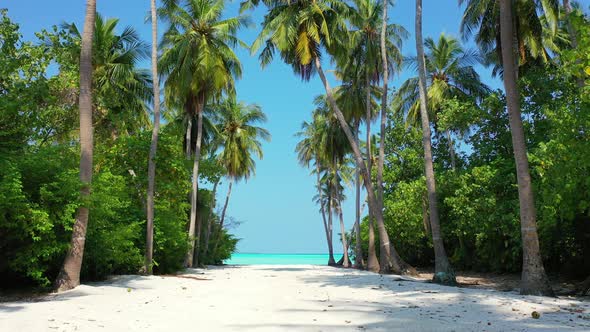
(288, 298)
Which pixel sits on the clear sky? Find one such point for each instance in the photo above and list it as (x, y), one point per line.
(275, 207)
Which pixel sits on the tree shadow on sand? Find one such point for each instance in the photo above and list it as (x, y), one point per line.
(396, 303)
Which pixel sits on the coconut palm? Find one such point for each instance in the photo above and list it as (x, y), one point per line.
(335, 148)
(443, 270)
(324, 143)
(149, 246)
(534, 280)
(535, 24)
(69, 275)
(449, 74)
(363, 67)
(121, 90)
(309, 150)
(240, 141)
(299, 31)
(333, 180)
(199, 65)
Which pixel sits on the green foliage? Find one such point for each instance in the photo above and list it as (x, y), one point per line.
(478, 203)
(39, 159)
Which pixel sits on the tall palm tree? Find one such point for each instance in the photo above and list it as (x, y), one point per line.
(241, 141)
(324, 143)
(363, 67)
(149, 246)
(199, 65)
(69, 276)
(299, 30)
(309, 150)
(449, 74)
(443, 270)
(534, 280)
(350, 95)
(121, 90)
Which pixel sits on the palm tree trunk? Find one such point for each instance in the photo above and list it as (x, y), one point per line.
(222, 220)
(393, 264)
(443, 271)
(197, 242)
(209, 221)
(330, 222)
(346, 260)
(358, 250)
(534, 279)
(195, 184)
(149, 246)
(69, 275)
(189, 130)
(382, 255)
(573, 38)
(331, 260)
(372, 261)
(451, 150)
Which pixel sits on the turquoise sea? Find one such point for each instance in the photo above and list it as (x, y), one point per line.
(278, 259)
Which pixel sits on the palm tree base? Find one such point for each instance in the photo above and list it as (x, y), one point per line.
(538, 286)
(64, 283)
(445, 278)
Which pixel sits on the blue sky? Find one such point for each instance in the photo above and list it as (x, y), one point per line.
(275, 206)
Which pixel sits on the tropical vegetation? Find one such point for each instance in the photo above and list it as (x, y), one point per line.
(102, 172)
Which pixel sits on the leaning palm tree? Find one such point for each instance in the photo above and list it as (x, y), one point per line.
(299, 31)
(335, 148)
(449, 74)
(534, 280)
(69, 276)
(364, 66)
(443, 271)
(199, 65)
(149, 245)
(240, 141)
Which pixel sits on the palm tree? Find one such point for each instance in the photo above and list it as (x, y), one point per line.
(450, 74)
(69, 276)
(535, 35)
(309, 150)
(121, 90)
(240, 142)
(149, 246)
(443, 270)
(199, 65)
(339, 174)
(362, 68)
(299, 30)
(333, 195)
(534, 280)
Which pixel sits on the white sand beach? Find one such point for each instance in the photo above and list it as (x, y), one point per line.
(287, 298)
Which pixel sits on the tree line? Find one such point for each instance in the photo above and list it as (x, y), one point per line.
(459, 174)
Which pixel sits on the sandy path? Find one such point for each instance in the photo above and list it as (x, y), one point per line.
(288, 298)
